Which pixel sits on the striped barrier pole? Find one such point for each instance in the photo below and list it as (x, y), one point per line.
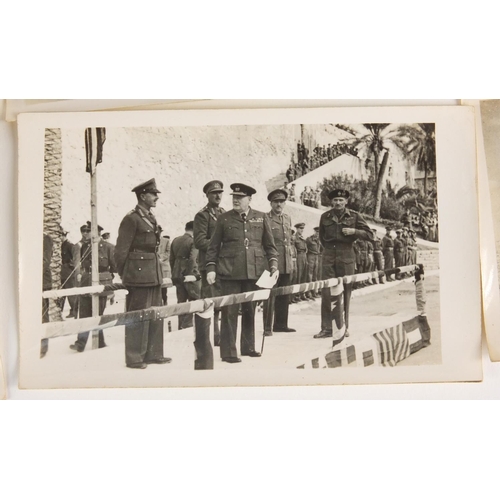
(64, 328)
(90, 290)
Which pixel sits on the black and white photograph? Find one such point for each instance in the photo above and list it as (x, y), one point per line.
(284, 247)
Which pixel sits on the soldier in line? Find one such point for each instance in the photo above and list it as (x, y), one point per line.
(184, 262)
(301, 249)
(291, 196)
(294, 276)
(107, 268)
(204, 227)
(378, 257)
(338, 229)
(139, 267)
(68, 277)
(388, 250)
(164, 253)
(412, 242)
(399, 251)
(276, 308)
(48, 246)
(313, 256)
(240, 250)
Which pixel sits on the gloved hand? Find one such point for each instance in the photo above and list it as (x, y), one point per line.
(211, 278)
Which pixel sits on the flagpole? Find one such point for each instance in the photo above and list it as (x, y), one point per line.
(95, 249)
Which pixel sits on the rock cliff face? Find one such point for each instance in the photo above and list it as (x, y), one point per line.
(182, 159)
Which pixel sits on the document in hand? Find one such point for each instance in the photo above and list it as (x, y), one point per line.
(267, 280)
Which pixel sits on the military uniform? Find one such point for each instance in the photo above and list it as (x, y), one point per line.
(378, 257)
(281, 226)
(301, 249)
(313, 257)
(399, 252)
(240, 250)
(107, 268)
(338, 257)
(48, 246)
(204, 228)
(164, 253)
(388, 250)
(183, 262)
(68, 277)
(138, 264)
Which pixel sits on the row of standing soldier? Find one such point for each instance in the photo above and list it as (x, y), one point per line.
(220, 237)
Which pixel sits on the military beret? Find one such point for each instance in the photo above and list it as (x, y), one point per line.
(146, 187)
(300, 225)
(399, 230)
(213, 187)
(388, 228)
(242, 190)
(339, 193)
(189, 226)
(85, 227)
(104, 235)
(278, 195)
(316, 228)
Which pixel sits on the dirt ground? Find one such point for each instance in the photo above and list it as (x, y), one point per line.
(372, 309)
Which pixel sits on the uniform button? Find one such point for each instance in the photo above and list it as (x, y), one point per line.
(142, 258)
(245, 230)
(140, 269)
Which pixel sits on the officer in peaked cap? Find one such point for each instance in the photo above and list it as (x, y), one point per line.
(139, 266)
(106, 269)
(276, 308)
(242, 190)
(213, 187)
(240, 250)
(146, 187)
(99, 228)
(339, 228)
(204, 227)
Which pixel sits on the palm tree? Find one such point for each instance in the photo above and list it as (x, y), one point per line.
(52, 208)
(373, 138)
(418, 145)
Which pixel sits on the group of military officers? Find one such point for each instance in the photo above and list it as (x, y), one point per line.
(226, 253)
(234, 249)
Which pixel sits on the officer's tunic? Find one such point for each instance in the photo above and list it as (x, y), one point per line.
(68, 276)
(399, 251)
(338, 257)
(183, 262)
(388, 250)
(301, 249)
(378, 254)
(107, 268)
(240, 251)
(203, 229)
(281, 227)
(313, 254)
(138, 264)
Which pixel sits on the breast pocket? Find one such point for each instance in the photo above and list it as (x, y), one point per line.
(231, 233)
(329, 228)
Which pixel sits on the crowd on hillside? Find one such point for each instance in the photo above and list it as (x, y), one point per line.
(307, 162)
(425, 223)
